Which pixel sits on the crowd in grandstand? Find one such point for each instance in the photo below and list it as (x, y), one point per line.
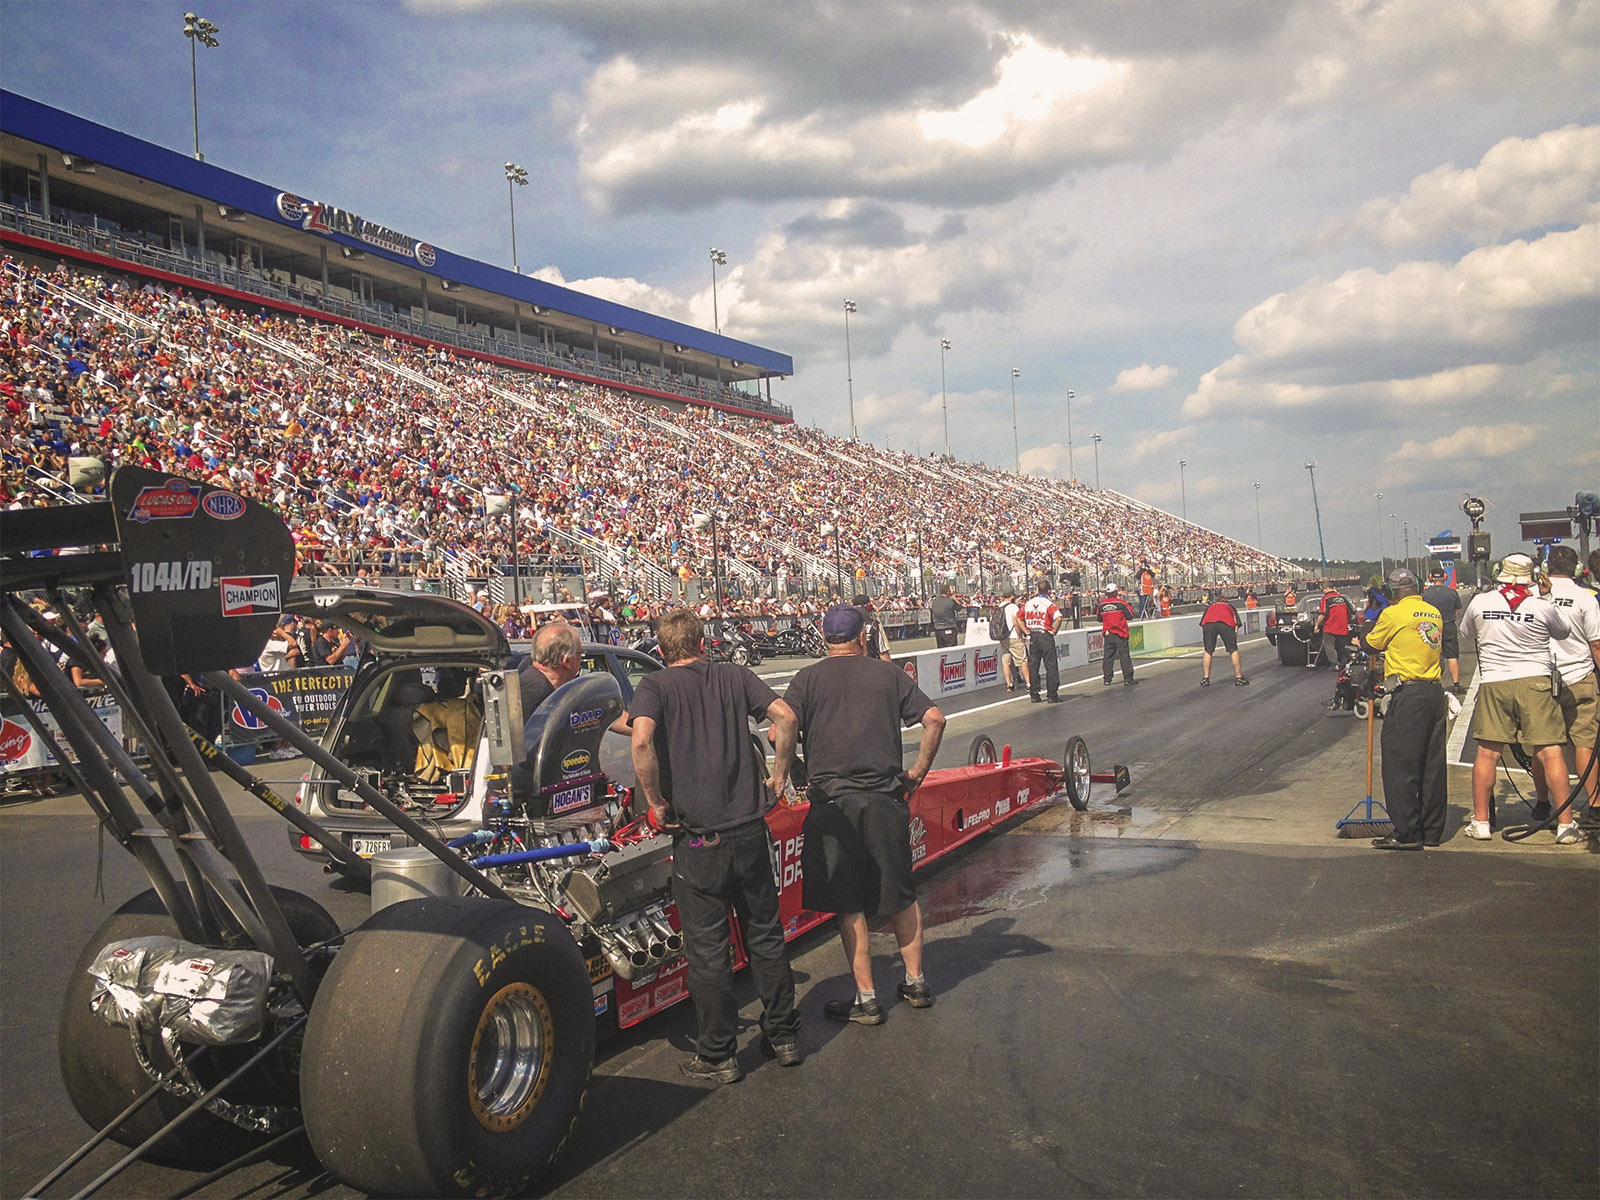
(380, 453)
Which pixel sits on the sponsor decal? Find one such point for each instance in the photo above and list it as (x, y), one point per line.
(180, 575)
(316, 217)
(952, 672)
(1002, 807)
(177, 499)
(601, 1003)
(785, 856)
(249, 595)
(576, 762)
(247, 720)
(1097, 642)
(587, 719)
(669, 991)
(1022, 796)
(574, 797)
(599, 968)
(909, 666)
(977, 818)
(919, 848)
(15, 741)
(1064, 651)
(986, 666)
(633, 1008)
(224, 506)
(202, 966)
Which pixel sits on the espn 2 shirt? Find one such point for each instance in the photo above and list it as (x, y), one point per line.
(1515, 629)
(1582, 611)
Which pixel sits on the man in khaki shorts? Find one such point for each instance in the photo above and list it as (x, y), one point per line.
(1514, 627)
(1014, 646)
(1577, 658)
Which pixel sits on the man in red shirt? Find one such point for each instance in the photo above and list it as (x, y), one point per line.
(1220, 620)
(1041, 618)
(1333, 620)
(1115, 613)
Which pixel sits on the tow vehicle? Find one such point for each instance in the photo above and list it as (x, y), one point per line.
(444, 1046)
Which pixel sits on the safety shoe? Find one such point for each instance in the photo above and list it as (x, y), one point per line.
(917, 995)
(1052, 699)
(1393, 843)
(1205, 681)
(1478, 831)
(1570, 835)
(785, 1050)
(726, 1071)
(1032, 699)
(1240, 681)
(1129, 682)
(1107, 682)
(869, 1012)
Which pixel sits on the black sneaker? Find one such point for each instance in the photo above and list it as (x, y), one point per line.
(1205, 681)
(1107, 682)
(1129, 682)
(1032, 698)
(726, 1071)
(868, 1012)
(915, 994)
(1053, 700)
(785, 1050)
(1240, 681)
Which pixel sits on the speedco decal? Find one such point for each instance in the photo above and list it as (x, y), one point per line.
(910, 668)
(952, 672)
(587, 719)
(224, 506)
(175, 500)
(919, 848)
(576, 762)
(190, 575)
(324, 218)
(986, 666)
(14, 741)
(249, 595)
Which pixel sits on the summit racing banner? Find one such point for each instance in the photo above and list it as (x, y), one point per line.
(22, 750)
(308, 698)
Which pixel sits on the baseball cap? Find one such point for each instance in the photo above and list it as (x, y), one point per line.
(1111, 587)
(1515, 568)
(862, 599)
(842, 623)
(1435, 574)
(1401, 578)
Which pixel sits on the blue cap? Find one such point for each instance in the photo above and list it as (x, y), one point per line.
(842, 623)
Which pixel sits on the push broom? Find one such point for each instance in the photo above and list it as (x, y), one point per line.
(1367, 824)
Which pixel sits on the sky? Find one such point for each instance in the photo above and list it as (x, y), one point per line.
(1241, 236)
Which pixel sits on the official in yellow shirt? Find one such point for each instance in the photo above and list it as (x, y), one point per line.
(1409, 633)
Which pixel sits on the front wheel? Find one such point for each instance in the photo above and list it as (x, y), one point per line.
(1075, 762)
(982, 751)
(739, 656)
(449, 1049)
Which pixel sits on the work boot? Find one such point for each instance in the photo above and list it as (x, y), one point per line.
(869, 1012)
(726, 1071)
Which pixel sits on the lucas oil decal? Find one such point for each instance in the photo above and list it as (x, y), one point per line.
(177, 498)
(249, 595)
(181, 575)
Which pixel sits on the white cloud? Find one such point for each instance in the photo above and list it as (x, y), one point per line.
(1471, 443)
(630, 291)
(1143, 378)
(1520, 184)
(1148, 443)
(1413, 336)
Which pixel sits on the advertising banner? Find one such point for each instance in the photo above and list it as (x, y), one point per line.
(307, 698)
(20, 747)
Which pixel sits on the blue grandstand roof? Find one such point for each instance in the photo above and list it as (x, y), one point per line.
(25, 118)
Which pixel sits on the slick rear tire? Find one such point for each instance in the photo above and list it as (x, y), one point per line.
(103, 1076)
(982, 751)
(1075, 764)
(449, 1049)
(1291, 650)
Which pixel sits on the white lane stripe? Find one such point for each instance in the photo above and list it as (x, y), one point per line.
(1463, 725)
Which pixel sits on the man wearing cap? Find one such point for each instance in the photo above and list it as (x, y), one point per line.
(877, 635)
(1408, 634)
(1115, 613)
(1014, 645)
(1514, 628)
(1041, 618)
(1448, 601)
(1333, 620)
(942, 613)
(856, 857)
(1577, 658)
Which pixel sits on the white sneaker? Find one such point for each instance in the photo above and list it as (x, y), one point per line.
(1478, 831)
(1568, 835)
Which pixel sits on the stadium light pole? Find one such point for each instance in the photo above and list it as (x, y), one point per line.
(1071, 472)
(515, 177)
(718, 259)
(1257, 486)
(1095, 438)
(829, 529)
(1183, 492)
(1311, 469)
(200, 32)
(849, 381)
(1016, 446)
(701, 521)
(944, 396)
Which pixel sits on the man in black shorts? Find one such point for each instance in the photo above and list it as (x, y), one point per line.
(1220, 620)
(856, 859)
(1448, 601)
(701, 775)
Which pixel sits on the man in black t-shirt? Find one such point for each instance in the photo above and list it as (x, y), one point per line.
(942, 613)
(704, 782)
(856, 860)
(1448, 601)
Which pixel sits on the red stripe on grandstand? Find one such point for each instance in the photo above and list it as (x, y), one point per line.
(217, 289)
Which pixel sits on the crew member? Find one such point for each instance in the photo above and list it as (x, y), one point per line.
(856, 858)
(1147, 591)
(1577, 658)
(1220, 620)
(1115, 613)
(1041, 618)
(1409, 633)
(703, 780)
(1514, 628)
(1448, 601)
(942, 612)
(877, 635)
(1333, 620)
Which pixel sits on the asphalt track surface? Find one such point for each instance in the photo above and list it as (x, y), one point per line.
(1193, 989)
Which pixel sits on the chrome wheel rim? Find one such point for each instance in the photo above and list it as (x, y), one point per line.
(510, 1058)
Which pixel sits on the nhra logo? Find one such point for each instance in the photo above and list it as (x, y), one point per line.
(952, 673)
(910, 668)
(14, 741)
(575, 762)
(987, 666)
(249, 595)
(178, 498)
(248, 720)
(224, 506)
